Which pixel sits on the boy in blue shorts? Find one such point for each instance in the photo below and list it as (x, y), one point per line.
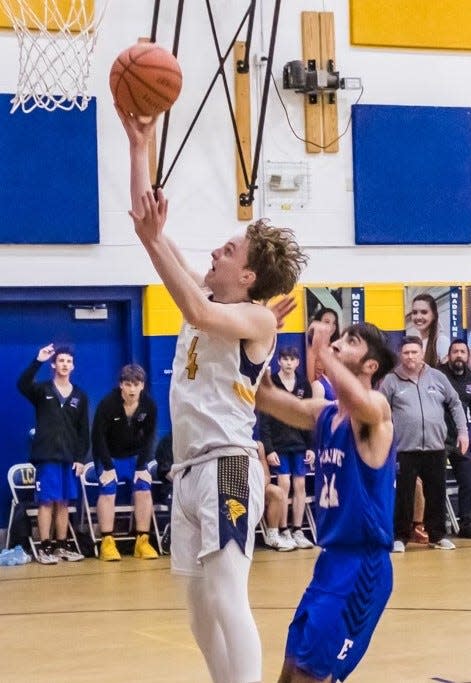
(123, 439)
(354, 492)
(289, 450)
(60, 444)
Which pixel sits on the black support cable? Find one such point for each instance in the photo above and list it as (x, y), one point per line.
(155, 18)
(228, 95)
(205, 98)
(163, 141)
(247, 199)
(243, 66)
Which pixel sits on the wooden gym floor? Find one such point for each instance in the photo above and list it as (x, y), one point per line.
(120, 622)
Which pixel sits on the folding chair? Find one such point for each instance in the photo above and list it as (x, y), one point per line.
(124, 512)
(22, 482)
(451, 496)
(161, 510)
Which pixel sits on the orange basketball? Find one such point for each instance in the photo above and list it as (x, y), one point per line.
(145, 79)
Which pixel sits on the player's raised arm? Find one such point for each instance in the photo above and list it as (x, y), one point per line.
(286, 407)
(353, 384)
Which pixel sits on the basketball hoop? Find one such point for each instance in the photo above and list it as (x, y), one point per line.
(56, 41)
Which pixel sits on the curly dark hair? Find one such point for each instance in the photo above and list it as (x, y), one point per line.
(276, 259)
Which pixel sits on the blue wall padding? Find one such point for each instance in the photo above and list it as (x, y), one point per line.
(48, 176)
(412, 174)
(161, 353)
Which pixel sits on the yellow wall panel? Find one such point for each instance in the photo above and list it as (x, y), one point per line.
(42, 9)
(444, 24)
(160, 315)
(384, 306)
(295, 321)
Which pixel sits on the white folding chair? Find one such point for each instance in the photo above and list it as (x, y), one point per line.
(451, 495)
(22, 482)
(161, 511)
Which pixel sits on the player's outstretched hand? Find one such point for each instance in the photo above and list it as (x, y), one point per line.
(149, 227)
(320, 335)
(139, 129)
(45, 353)
(282, 308)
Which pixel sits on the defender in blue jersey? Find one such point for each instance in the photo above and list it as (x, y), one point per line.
(355, 474)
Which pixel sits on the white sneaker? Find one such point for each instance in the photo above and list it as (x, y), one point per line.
(287, 537)
(46, 555)
(443, 544)
(300, 539)
(399, 547)
(68, 552)
(277, 542)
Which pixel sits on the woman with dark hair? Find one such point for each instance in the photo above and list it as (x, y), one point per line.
(424, 318)
(329, 317)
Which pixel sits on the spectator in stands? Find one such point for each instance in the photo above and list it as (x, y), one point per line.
(123, 438)
(418, 395)
(289, 450)
(459, 374)
(275, 504)
(60, 444)
(425, 323)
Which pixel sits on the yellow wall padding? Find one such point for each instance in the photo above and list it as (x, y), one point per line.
(295, 321)
(42, 8)
(438, 24)
(160, 315)
(384, 306)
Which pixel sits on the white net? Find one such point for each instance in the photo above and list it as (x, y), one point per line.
(56, 42)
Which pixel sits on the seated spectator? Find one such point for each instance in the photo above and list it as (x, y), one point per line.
(122, 437)
(275, 501)
(289, 450)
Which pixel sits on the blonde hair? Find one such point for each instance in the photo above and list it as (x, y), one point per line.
(276, 259)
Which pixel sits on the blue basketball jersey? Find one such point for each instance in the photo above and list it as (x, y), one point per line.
(329, 391)
(354, 502)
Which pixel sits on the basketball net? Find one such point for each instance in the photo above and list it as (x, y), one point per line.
(56, 43)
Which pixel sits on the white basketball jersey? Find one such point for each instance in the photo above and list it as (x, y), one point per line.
(212, 396)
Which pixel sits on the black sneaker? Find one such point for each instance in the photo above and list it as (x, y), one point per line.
(46, 555)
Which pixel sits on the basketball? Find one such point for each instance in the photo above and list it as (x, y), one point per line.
(145, 79)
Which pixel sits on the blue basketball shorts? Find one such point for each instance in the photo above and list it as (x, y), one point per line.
(55, 481)
(125, 470)
(292, 463)
(335, 620)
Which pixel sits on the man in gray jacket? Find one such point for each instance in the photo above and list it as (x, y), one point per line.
(418, 395)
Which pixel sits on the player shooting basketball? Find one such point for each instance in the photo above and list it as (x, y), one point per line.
(222, 351)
